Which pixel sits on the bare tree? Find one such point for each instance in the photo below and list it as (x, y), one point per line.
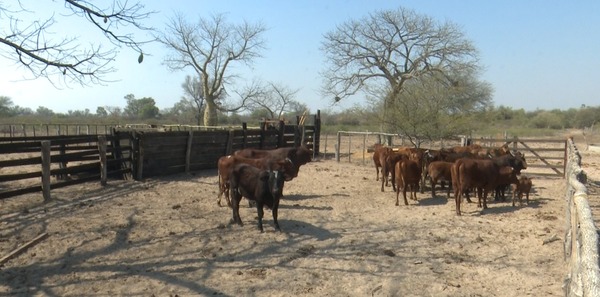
(389, 48)
(210, 47)
(276, 100)
(192, 92)
(31, 43)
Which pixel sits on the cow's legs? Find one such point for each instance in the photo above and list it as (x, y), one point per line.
(261, 213)
(433, 182)
(235, 201)
(404, 193)
(274, 211)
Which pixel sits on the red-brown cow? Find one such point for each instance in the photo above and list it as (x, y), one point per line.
(408, 174)
(298, 156)
(378, 150)
(523, 186)
(470, 173)
(440, 171)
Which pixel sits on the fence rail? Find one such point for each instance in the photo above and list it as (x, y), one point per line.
(581, 235)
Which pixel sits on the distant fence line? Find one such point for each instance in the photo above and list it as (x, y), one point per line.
(34, 130)
(581, 234)
(545, 157)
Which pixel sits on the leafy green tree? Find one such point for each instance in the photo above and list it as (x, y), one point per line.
(547, 120)
(144, 108)
(101, 112)
(586, 116)
(6, 104)
(430, 108)
(44, 111)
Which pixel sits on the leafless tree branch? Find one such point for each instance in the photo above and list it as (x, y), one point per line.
(33, 47)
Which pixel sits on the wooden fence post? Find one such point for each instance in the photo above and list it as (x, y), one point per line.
(103, 163)
(280, 134)
(337, 146)
(261, 140)
(244, 134)
(229, 147)
(349, 148)
(364, 147)
(62, 165)
(188, 151)
(46, 170)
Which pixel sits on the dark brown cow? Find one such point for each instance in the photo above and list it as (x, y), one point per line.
(439, 171)
(298, 156)
(226, 163)
(471, 173)
(523, 186)
(408, 174)
(263, 186)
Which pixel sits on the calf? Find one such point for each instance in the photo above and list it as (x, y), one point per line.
(408, 174)
(226, 163)
(263, 186)
(523, 186)
(506, 176)
(439, 171)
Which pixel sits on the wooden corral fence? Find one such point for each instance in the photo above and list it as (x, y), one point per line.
(545, 157)
(167, 152)
(70, 159)
(133, 152)
(581, 234)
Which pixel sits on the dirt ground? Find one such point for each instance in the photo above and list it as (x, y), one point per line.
(341, 237)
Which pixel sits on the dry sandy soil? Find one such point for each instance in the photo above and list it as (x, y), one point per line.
(341, 237)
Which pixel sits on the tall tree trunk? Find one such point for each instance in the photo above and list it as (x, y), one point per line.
(210, 113)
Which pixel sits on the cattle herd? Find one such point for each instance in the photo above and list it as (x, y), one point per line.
(259, 175)
(467, 169)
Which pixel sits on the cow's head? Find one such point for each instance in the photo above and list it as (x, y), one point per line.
(274, 180)
(517, 161)
(301, 155)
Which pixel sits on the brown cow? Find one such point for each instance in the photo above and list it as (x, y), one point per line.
(439, 171)
(408, 174)
(226, 163)
(523, 186)
(298, 156)
(263, 186)
(471, 173)
(378, 150)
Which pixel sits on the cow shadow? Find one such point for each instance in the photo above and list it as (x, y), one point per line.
(306, 207)
(299, 197)
(307, 229)
(433, 200)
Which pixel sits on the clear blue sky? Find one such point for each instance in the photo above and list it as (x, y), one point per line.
(536, 54)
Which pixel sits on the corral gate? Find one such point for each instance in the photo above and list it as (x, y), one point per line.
(544, 156)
